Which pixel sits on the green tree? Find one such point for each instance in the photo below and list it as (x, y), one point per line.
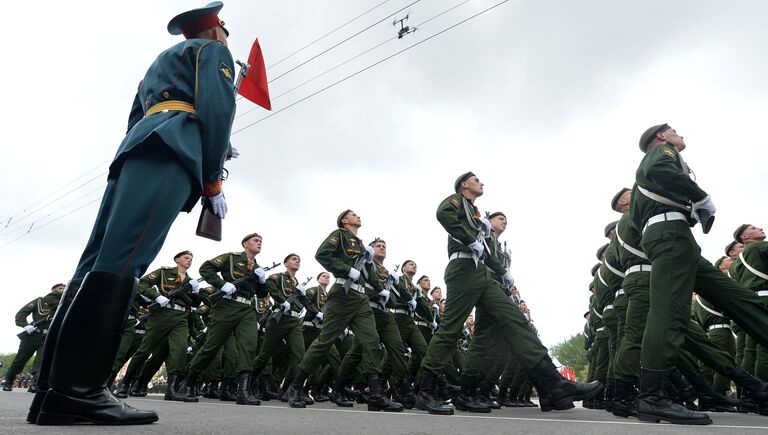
(571, 354)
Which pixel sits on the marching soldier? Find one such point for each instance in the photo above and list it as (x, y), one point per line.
(133, 333)
(41, 309)
(317, 297)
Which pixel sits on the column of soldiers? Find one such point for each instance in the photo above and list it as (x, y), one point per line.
(667, 331)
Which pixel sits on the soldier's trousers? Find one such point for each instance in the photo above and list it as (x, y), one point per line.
(129, 344)
(761, 354)
(330, 369)
(412, 338)
(386, 327)
(636, 289)
(470, 286)
(484, 347)
(29, 345)
(342, 311)
(165, 326)
(288, 329)
(678, 268)
(611, 322)
(741, 338)
(620, 309)
(591, 362)
(722, 338)
(227, 318)
(601, 355)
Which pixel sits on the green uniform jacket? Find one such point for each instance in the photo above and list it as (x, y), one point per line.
(316, 298)
(232, 266)
(409, 291)
(338, 254)
(707, 314)
(627, 240)
(282, 285)
(608, 281)
(39, 308)
(163, 281)
(755, 255)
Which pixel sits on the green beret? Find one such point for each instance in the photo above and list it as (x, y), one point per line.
(730, 246)
(601, 251)
(494, 214)
(739, 231)
(650, 134)
(462, 178)
(720, 261)
(341, 216)
(249, 237)
(183, 253)
(615, 200)
(289, 256)
(321, 274)
(609, 228)
(594, 269)
(61, 284)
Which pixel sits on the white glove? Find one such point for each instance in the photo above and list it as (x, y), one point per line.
(353, 274)
(195, 286)
(412, 304)
(508, 280)
(228, 288)
(286, 307)
(478, 248)
(368, 254)
(301, 290)
(384, 294)
(235, 152)
(486, 227)
(29, 329)
(189, 349)
(218, 204)
(162, 300)
(319, 316)
(205, 330)
(433, 325)
(704, 204)
(395, 277)
(259, 272)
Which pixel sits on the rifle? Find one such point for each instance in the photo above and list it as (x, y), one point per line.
(40, 325)
(362, 259)
(220, 294)
(390, 286)
(179, 292)
(292, 299)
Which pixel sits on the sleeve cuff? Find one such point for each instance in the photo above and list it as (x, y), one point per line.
(212, 189)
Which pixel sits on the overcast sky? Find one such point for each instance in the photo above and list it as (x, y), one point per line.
(544, 101)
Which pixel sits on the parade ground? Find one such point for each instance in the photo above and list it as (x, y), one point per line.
(211, 416)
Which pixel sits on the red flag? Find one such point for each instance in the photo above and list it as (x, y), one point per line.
(254, 86)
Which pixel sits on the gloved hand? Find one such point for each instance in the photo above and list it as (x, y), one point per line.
(412, 304)
(162, 301)
(704, 204)
(195, 286)
(486, 227)
(433, 325)
(384, 294)
(189, 349)
(368, 254)
(508, 280)
(478, 248)
(218, 204)
(234, 153)
(261, 274)
(354, 274)
(319, 316)
(395, 277)
(301, 290)
(29, 329)
(286, 307)
(229, 288)
(205, 330)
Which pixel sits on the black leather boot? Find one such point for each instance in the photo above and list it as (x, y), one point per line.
(215, 390)
(609, 390)
(445, 389)
(139, 387)
(709, 400)
(186, 389)
(378, 401)
(320, 393)
(484, 396)
(296, 391)
(172, 392)
(9, 380)
(33, 386)
(227, 393)
(466, 400)
(680, 391)
(79, 370)
(757, 389)
(556, 392)
(425, 399)
(405, 393)
(624, 398)
(244, 396)
(338, 396)
(654, 405)
(308, 399)
(526, 399)
(49, 347)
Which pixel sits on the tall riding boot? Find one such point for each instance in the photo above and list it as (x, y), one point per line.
(556, 392)
(244, 396)
(654, 405)
(296, 390)
(80, 370)
(227, 393)
(757, 389)
(186, 390)
(624, 398)
(709, 399)
(378, 401)
(425, 399)
(338, 396)
(49, 347)
(9, 380)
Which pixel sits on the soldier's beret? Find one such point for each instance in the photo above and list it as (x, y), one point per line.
(289, 256)
(406, 262)
(249, 237)
(730, 246)
(594, 269)
(321, 274)
(422, 277)
(650, 134)
(494, 214)
(601, 251)
(615, 200)
(609, 228)
(183, 253)
(720, 261)
(462, 178)
(341, 216)
(192, 22)
(61, 284)
(739, 231)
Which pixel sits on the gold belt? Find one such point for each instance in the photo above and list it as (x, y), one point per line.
(165, 106)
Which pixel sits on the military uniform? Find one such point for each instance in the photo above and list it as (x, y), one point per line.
(316, 298)
(718, 328)
(753, 274)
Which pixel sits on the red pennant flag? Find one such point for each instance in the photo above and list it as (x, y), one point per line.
(254, 86)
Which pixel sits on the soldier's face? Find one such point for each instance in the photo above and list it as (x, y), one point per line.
(725, 264)
(253, 245)
(352, 219)
(409, 267)
(185, 261)
(58, 289)
(324, 279)
(425, 283)
(437, 293)
(673, 139)
(380, 250)
(474, 186)
(736, 250)
(753, 233)
(293, 263)
(499, 224)
(625, 199)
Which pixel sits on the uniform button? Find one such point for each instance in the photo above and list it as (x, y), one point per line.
(166, 95)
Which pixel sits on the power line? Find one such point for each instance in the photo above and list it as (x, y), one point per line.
(369, 67)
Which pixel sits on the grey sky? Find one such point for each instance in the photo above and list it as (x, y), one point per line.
(544, 100)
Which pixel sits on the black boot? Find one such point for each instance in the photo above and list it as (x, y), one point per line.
(227, 393)
(556, 392)
(709, 400)
(405, 394)
(338, 396)
(425, 399)
(9, 380)
(654, 405)
(122, 388)
(378, 401)
(172, 392)
(610, 385)
(186, 389)
(320, 393)
(80, 370)
(445, 389)
(270, 390)
(359, 393)
(624, 398)
(484, 396)
(49, 347)
(296, 391)
(33, 386)
(680, 391)
(140, 386)
(466, 400)
(526, 399)
(757, 390)
(244, 396)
